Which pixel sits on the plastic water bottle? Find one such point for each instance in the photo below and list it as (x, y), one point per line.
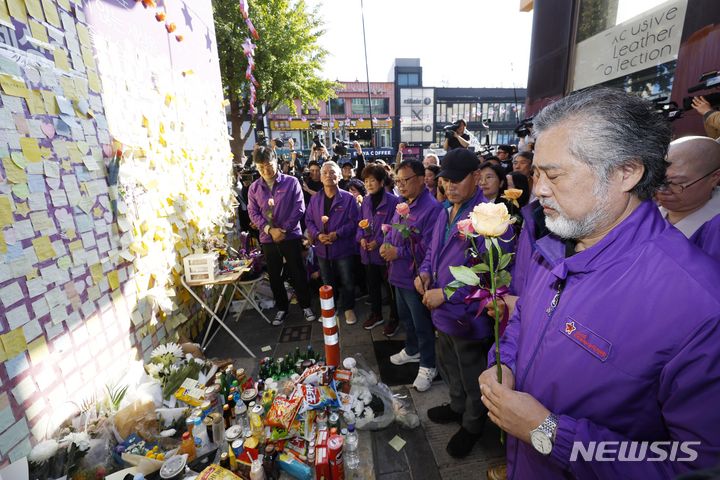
(350, 450)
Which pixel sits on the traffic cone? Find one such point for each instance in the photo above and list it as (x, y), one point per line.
(330, 328)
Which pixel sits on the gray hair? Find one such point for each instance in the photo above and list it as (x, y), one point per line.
(612, 129)
(333, 165)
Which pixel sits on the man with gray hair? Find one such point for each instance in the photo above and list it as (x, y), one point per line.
(611, 353)
(431, 159)
(690, 198)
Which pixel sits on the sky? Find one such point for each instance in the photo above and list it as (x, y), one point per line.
(464, 43)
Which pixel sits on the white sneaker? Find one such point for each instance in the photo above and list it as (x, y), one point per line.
(424, 378)
(309, 315)
(279, 317)
(350, 317)
(401, 358)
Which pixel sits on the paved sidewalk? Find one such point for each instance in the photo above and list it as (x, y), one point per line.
(424, 456)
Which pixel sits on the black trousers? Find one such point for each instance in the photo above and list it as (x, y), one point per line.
(377, 278)
(291, 252)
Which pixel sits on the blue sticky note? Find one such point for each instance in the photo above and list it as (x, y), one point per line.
(36, 183)
(16, 366)
(14, 252)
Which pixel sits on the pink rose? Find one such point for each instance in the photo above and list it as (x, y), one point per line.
(386, 228)
(403, 209)
(271, 202)
(465, 227)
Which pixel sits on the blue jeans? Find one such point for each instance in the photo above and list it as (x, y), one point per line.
(342, 269)
(420, 337)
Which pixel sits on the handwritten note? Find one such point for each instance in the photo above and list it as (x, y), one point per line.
(43, 248)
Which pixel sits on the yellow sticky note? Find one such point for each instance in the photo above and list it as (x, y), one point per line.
(76, 245)
(13, 85)
(113, 280)
(17, 10)
(51, 13)
(14, 342)
(49, 101)
(43, 248)
(38, 350)
(64, 262)
(88, 58)
(6, 216)
(30, 149)
(14, 173)
(33, 274)
(64, 4)
(70, 234)
(34, 9)
(96, 272)
(35, 102)
(3, 245)
(94, 82)
(38, 31)
(22, 209)
(4, 13)
(21, 190)
(61, 60)
(83, 34)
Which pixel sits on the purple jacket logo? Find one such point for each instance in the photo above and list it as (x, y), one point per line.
(596, 345)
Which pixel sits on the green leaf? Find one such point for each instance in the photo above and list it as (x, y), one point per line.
(398, 226)
(481, 268)
(449, 291)
(465, 275)
(504, 260)
(503, 279)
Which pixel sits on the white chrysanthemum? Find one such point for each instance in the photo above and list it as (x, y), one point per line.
(80, 439)
(172, 349)
(43, 451)
(153, 369)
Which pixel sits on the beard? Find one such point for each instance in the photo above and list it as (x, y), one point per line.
(565, 227)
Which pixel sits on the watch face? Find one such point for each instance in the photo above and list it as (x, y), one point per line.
(541, 442)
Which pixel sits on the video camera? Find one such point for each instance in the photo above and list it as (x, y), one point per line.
(524, 128)
(341, 147)
(451, 129)
(707, 80)
(318, 143)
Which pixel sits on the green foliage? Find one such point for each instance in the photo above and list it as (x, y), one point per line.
(115, 395)
(287, 55)
(465, 275)
(452, 287)
(503, 279)
(504, 260)
(481, 268)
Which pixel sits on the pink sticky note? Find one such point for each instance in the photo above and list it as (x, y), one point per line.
(21, 123)
(107, 151)
(48, 129)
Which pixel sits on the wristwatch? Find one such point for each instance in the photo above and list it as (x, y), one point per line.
(543, 437)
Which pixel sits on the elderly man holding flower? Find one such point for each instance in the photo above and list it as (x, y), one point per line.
(463, 334)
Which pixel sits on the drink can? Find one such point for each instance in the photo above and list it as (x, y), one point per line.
(322, 467)
(237, 448)
(335, 459)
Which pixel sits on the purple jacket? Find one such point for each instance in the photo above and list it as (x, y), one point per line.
(454, 317)
(707, 237)
(525, 247)
(383, 214)
(343, 219)
(424, 212)
(630, 352)
(287, 212)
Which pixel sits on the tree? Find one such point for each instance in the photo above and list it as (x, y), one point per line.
(287, 60)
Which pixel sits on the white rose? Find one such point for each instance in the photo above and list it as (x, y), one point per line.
(490, 219)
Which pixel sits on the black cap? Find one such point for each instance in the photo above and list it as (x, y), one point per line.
(505, 148)
(458, 163)
(345, 162)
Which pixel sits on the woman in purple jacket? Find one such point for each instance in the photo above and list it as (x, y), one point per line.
(377, 209)
(331, 219)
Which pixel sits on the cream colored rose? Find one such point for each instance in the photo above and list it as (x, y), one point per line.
(490, 219)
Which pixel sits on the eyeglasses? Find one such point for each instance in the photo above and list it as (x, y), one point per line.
(402, 181)
(677, 188)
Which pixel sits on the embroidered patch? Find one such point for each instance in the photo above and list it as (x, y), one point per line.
(596, 345)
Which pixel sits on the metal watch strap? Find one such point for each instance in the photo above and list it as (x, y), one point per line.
(549, 426)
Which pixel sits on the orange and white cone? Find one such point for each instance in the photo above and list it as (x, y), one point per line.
(330, 328)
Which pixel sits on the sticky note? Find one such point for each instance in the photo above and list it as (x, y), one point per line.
(266, 348)
(14, 342)
(30, 149)
(397, 443)
(94, 81)
(35, 102)
(4, 13)
(43, 248)
(13, 85)
(3, 245)
(61, 60)
(6, 217)
(49, 101)
(34, 9)
(17, 10)
(113, 280)
(64, 4)
(96, 272)
(21, 190)
(38, 31)
(52, 169)
(14, 173)
(38, 350)
(51, 13)
(22, 209)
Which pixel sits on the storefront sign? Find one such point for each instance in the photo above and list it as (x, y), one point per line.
(335, 125)
(417, 111)
(645, 41)
(375, 152)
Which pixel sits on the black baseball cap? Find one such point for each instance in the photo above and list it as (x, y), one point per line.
(458, 163)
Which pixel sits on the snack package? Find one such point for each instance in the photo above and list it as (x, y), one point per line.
(317, 398)
(283, 412)
(216, 472)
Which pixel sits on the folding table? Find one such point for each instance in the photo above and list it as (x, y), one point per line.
(246, 289)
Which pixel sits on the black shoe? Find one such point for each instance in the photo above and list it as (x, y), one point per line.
(444, 414)
(461, 444)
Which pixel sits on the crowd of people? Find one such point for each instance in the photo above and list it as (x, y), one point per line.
(614, 305)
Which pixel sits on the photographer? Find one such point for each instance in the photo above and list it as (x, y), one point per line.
(319, 152)
(455, 136)
(711, 117)
(311, 183)
(348, 167)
